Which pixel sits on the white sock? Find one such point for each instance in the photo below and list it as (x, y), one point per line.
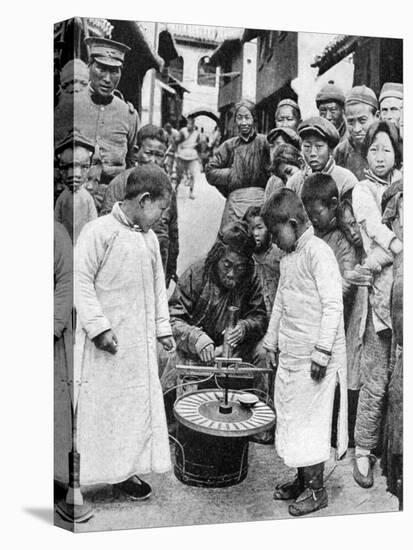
(363, 462)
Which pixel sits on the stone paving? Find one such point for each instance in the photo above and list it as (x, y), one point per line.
(173, 503)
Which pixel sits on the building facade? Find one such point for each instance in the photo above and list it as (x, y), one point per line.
(195, 45)
(284, 70)
(376, 60)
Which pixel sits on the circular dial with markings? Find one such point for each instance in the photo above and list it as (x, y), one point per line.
(200, 412)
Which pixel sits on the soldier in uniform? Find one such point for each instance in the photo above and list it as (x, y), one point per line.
(98, 114)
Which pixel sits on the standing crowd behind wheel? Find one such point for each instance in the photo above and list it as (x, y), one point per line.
(310, 249)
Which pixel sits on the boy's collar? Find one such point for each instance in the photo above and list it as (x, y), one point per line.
(305, 237)
(120, 215)
(328, 168)
(394, 176)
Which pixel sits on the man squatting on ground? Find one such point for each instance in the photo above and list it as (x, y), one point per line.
(204, 292)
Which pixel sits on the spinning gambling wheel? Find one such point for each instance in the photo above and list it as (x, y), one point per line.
(213, 430)
(200, 411)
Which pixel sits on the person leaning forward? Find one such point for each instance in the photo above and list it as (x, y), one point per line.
(199, 306)
(111, 123)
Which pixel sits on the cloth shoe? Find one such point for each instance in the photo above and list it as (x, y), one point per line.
(365, 481)
(134, 488)
(309, 501)
(314, 497)
(290, 490)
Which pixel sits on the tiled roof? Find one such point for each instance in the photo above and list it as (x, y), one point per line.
(341, 46)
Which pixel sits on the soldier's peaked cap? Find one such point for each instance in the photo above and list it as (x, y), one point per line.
(107, 52)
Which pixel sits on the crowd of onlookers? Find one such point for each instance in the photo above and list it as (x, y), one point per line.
(346, 166)
(309, 249)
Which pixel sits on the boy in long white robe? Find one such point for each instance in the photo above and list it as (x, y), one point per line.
(306, 327)
(122, 309)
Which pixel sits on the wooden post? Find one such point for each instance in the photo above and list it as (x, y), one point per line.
(153, 78)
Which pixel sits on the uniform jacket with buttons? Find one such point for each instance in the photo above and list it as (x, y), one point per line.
(113, 127)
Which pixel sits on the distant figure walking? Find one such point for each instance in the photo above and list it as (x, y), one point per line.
(204, 150)
(187, 155)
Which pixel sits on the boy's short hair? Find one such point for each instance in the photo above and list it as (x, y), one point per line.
(283, 205)
(148, 178)
(150, 131)
(320, 187)
(392, 131)
(252, 212)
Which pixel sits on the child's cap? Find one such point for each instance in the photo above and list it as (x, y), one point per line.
(322, 127)
(73, 138)
(362, 94)
(287, 133)
(75, 68)
(391, 89)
